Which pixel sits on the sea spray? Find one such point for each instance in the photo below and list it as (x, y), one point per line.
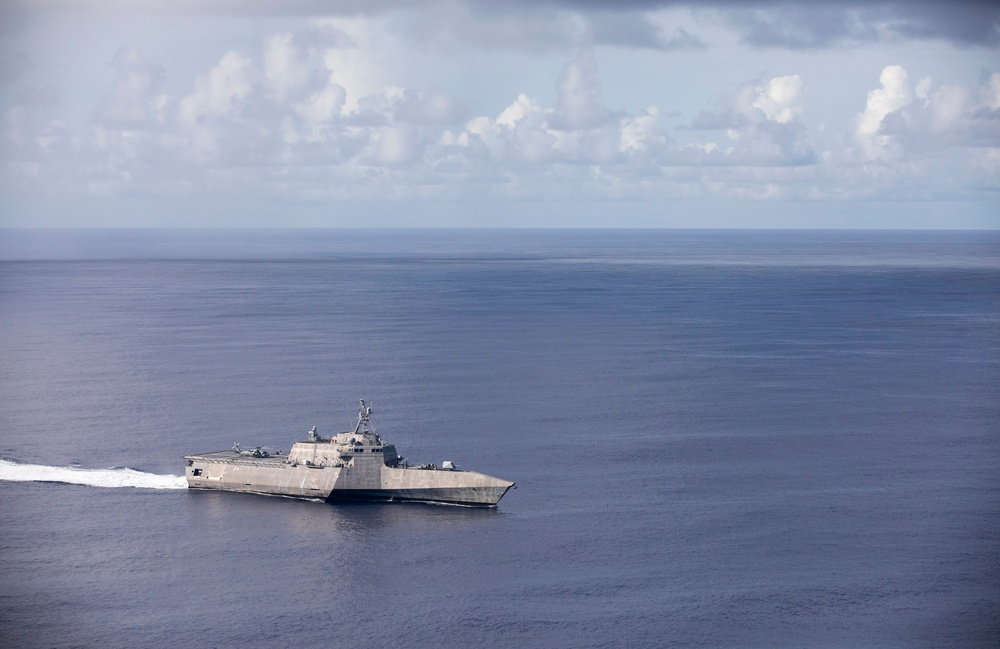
(118, 477)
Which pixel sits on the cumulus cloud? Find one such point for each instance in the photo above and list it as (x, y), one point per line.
(322, 113)
(640, 134)
(285, 70)
(134, 100)
(351, 57)
(577, 130)
(34, 131)
(923, 140)
(218, 98)
(219, 92)
(269, 118)
(929, 117)
(409, 106)
(321, 108)
(523, 132)
(774, 99)
(760, 125)
(894, 93)
(778, 98)
(579, 103)
(393, 145)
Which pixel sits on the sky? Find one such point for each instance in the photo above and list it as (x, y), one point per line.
(478, 113)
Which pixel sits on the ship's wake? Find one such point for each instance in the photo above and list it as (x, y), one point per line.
(118, 477)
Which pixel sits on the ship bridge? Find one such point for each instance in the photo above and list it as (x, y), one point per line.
(362, 446)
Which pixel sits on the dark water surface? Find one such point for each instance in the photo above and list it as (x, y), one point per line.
(720, 439)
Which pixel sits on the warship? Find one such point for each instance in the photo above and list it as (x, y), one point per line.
(349, 466)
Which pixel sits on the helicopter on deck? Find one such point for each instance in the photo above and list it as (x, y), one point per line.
(257, 451)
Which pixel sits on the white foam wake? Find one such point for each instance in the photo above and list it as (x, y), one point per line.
(17, 472)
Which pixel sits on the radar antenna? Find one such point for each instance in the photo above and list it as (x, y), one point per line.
(364, 419)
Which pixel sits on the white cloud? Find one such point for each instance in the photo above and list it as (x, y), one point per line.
(947, 105)
(134, 99)
(992, 92)
(894, 93)
(321, 108)
(760, 123)
(579, 103)
(487, 132)
(394, 145)
(577, 130)
(217, 95)
(774, 99)
(778, 98)
(352, 60)
(894, 126)
(522, 108)
(285, 69)
(425, 107)
(527, 137)
(639, 133)
(329, 111)
(37, 138)
(920, 143)
(519, 134)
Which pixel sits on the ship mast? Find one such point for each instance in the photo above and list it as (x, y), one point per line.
(364, 419)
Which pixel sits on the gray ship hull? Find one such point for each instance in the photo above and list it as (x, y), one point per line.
(276, 476)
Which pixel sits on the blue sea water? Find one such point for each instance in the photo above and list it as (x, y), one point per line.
(719, 439)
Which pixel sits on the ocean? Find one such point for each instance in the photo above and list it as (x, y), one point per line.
(760, 439)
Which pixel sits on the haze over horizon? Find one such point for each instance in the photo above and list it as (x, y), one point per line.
(463, 113)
